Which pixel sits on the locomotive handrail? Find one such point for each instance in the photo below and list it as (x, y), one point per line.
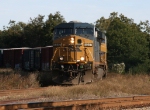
(67, 53)
(90, 53)
(55, 53)
(53, 56)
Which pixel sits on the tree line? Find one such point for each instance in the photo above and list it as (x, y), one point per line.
(127, 41)
(35, 33)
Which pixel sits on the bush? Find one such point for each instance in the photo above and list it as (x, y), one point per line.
(139, 69)
(10, 79)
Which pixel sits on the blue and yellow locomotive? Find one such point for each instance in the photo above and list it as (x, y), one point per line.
(79, 53)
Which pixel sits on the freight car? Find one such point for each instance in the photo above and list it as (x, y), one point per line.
(79, 53)
(29, 59)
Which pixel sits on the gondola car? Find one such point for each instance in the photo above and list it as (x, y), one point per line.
(79, 53)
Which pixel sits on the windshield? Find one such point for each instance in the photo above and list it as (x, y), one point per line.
(88, 31)
(62, 32)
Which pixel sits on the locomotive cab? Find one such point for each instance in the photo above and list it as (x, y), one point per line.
(77, 54)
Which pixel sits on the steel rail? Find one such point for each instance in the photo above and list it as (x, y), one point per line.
(91, 104)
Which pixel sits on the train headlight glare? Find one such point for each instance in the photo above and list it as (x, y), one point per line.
(61, 58)
(82, 58)
(72, 40)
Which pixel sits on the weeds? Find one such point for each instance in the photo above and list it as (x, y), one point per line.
(115, 85)
(16, 80)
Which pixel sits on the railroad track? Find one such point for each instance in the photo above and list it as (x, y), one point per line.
(92, 104)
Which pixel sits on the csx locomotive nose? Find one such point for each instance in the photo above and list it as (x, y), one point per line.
(77, 58)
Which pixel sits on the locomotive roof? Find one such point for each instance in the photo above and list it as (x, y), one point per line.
(75, 25)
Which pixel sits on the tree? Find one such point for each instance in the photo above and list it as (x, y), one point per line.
(50, 23)
(126, 42)
(11, 35)
(33, 32)
(36, 33)
(39, 33)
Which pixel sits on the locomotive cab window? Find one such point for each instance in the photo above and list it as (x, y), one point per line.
(62, 32)
(88, 31)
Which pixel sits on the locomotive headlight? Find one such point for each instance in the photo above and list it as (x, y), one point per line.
(82, 58)
(61, 58)
(72, 40)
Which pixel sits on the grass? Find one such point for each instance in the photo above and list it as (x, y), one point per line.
(10, 79)
(115, 85)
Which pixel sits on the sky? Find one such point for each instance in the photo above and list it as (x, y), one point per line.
(79, 10)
